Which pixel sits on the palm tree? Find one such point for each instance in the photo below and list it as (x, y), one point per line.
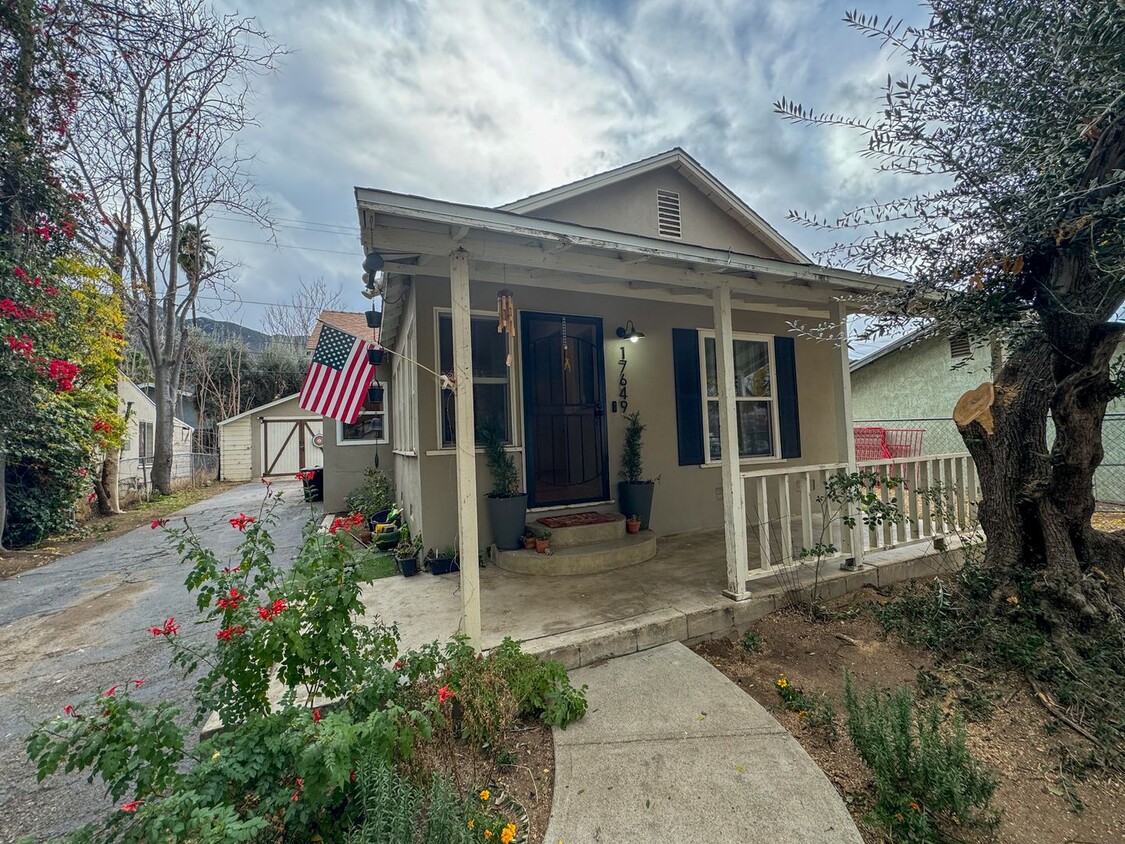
(195, 253)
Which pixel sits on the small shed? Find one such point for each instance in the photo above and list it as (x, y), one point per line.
(272, 440)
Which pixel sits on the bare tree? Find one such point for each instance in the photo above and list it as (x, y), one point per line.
(166, 84)
(293, 321)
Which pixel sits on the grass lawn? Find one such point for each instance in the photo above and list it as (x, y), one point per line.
(378, 564)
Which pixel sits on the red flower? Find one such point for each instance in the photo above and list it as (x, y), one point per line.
(305, 476)
(444, 694)
(20, 274)
(233, 602)
(92, 497)
(398, 664)
(21, 346)
(170, 628)
(300, 788)
(131, 806)
(138, 683)
(316, 716)
(226, 634)
(158, 523)
(242, 521)
(270, 613)
(110, 692)
(68, 710)
(51, 291)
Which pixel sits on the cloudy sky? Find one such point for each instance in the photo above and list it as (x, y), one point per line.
(485, 101)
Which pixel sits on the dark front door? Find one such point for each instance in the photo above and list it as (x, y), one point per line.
(564, 409)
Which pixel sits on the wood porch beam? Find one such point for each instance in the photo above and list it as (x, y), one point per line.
(465, 427)
(432, 243)
(845, 427)
(734, 490)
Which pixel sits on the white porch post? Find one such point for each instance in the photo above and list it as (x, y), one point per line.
(465, 428)
(734, 493)
(845, 432)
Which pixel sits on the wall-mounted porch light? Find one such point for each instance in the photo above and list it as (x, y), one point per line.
(629, 332)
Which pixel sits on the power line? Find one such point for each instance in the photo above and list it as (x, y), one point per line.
(296, 225)
(287, 246)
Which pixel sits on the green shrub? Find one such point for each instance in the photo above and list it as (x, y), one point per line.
(377, 492)
(751, 643)
(926, 781)
(632, 457)
(816, 710)
(505, 477)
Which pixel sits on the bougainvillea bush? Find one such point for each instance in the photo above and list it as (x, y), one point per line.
(321, 712)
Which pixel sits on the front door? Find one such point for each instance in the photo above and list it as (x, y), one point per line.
(564, 410)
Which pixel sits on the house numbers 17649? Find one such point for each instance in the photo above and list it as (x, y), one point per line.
(623, 383)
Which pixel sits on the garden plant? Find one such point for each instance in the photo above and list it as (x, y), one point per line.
(362, 744)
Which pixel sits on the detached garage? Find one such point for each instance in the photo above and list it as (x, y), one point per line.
(274, 440)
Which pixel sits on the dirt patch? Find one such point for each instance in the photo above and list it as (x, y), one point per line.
(98, 529)
(1012, 733)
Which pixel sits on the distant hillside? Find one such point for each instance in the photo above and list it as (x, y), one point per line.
(216, 328)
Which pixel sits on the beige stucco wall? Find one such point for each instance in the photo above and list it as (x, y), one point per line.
(344, 464)
(687, 497)
(630, 207)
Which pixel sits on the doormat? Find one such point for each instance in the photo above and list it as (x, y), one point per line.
(575, 519)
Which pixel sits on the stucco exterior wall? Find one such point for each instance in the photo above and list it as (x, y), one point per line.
(142, 409)
(344, 464)
(631, 207)
(686, 497)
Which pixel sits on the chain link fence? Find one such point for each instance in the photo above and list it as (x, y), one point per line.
(189, 470)
(942, 437)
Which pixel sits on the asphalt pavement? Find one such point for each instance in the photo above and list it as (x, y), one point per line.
(80, 625)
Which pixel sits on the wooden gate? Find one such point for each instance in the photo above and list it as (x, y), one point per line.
(290, 445)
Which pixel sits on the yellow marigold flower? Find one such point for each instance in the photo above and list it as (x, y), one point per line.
(488, 833)
(915, 807)
(506, 835)
(782, 683)
(471, 824)
(484, 795)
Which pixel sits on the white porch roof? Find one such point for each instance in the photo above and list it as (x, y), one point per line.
(416, 236)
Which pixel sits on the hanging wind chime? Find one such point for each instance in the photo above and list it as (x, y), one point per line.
(506, 312)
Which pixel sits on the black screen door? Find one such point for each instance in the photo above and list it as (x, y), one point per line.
(564, 409)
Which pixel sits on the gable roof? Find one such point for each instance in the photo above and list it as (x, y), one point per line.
(901, 342)
(676, 158)
(262, 407)
(349, 322)
(176, 420)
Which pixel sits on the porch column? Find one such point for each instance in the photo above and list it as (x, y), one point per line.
(845, 429)
(465, 429)
(734, 490)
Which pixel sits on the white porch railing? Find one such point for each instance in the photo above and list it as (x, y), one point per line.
(938, 496)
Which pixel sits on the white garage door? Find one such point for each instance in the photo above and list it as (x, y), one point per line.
(290, 445)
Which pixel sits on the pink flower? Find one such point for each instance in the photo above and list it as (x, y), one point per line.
(92, 497)
(68, 710)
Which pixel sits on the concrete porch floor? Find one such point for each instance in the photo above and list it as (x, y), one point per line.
(581, 619)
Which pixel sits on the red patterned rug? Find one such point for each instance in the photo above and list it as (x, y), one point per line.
(575, 519)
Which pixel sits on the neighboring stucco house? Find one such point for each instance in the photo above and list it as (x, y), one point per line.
(140, 432)
(659, 247)
(914, 383)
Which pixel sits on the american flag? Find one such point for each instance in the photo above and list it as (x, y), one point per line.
(336, 383)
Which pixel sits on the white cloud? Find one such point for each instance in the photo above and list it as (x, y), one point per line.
(483, 101)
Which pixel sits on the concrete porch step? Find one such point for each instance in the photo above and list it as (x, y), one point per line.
(589, 558)
(570, 537)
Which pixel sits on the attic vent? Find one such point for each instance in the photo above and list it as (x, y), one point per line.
(668, 213)
(959, 347)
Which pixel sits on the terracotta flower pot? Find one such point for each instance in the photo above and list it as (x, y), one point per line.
(529, 543)
(632, 525)
(541, 545)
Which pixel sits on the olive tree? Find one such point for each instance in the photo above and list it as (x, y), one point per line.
(1010, 127)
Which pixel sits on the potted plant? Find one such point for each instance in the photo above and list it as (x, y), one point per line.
(634, 493)
(529, 541)
(542, 540)
(442, 562)
(406, 553)
(507, 506)
(633, 524)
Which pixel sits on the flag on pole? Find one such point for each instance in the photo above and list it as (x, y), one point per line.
(336, 383)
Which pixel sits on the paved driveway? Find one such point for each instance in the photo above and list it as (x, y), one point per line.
(80, 624)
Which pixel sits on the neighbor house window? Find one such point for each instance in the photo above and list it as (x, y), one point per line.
(369, 428)
(755, 403)
(492, 396)
(146, 440)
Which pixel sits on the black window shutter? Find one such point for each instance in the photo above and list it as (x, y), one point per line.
(789, 418)
(689, 399)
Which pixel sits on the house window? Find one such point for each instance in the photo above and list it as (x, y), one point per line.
(146, 441)
(369, 428)
(492, 394)
(960, 347)
(755, 402)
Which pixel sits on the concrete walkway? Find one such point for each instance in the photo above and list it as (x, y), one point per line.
(671, 750)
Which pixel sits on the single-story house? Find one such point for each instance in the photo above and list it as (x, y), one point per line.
(658, 248)
(140, 437)
(913, 383)
(276, 439)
